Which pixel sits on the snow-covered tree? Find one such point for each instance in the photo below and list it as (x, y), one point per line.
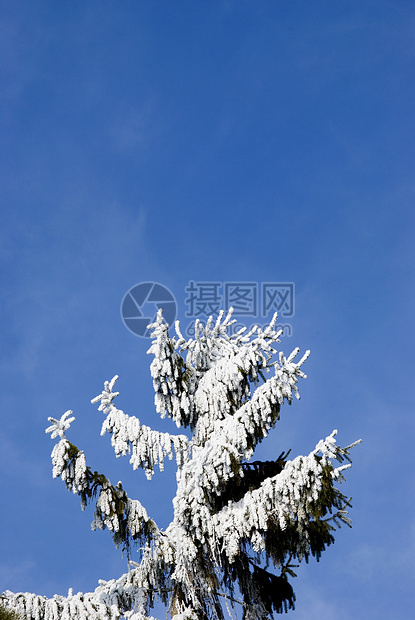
(233, 518)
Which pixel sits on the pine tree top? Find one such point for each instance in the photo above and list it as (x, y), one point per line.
(229, 514)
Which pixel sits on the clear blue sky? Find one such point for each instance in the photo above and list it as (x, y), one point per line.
(246, 141)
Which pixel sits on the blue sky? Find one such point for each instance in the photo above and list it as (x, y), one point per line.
(221, 141)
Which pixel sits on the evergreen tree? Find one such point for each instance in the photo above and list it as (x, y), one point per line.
(233, 519)
(7, 614)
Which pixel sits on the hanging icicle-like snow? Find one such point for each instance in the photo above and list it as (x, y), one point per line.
(147, 447)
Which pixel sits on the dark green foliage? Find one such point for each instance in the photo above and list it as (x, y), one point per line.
(248, 477)
(258, 584)
(297, 541)
(315, 534)
(119, 499)
(275, 592)
(282, 544)
(8, 614)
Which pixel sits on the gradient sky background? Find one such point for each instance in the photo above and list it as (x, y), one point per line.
(222, 140)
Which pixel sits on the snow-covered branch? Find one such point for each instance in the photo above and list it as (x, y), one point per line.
(147, 446)
(247, 425)
(76, 607)
(291, 499)
(126, 518)
(125, 597)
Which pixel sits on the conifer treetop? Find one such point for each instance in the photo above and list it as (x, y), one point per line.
(229, 514)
